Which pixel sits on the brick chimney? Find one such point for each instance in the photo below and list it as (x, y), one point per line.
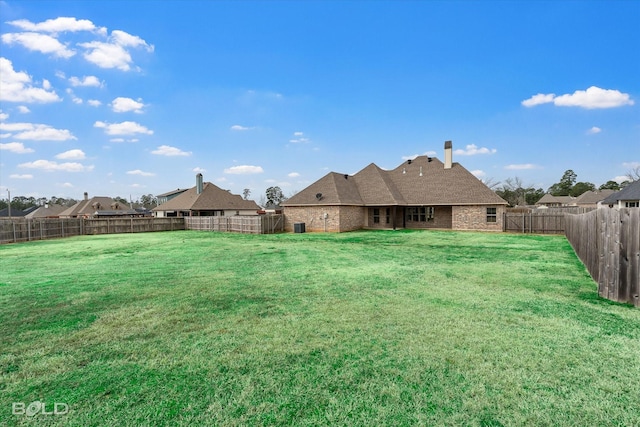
(448, 155)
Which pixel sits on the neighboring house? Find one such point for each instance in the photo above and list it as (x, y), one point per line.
(593, 199)
(206, 199)
(97, 207)
(46, 211)
(628, 197)
(15, 213)
(165, 197)
(550, 201)
(420, 193)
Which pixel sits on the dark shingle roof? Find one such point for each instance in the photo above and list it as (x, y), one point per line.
(418, 182)
(630, 192)
(211, 198)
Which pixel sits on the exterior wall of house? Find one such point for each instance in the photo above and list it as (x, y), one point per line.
(338, 218)
(475, 218)
(442, 218)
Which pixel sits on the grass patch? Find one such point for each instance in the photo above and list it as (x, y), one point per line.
(363, 328)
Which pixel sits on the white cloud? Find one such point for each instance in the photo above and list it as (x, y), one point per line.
(51, 166)
(37, 42)
(90, 81)
(167, 150)
(37, 132)
(71, 155)
(141, 173)
(594, 130)
(593, 97)
(55, 25)
(123, 105)
(124, 128)
(94, 102)
(293, 175)
(3, 115)
(631, 165)
(472, 150)
(299, 138)
(16, 147)
(538, 99)
(17, 86)
(239, 128)
(244, 170)
(621, 178)
(478, 173)
(23, 176)
(525, 166)
(199, 170)
(23, 109)
(113, 53)
(67, 185)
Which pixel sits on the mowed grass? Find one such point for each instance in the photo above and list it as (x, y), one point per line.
(365, 328)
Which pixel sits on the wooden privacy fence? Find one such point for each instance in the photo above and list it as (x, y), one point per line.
(255, 224)
(22, 230)
(607, 241)
(534, 222)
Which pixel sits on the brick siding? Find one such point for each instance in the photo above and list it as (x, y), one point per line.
(475, 218)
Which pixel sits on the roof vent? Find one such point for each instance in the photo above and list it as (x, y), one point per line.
(409, 161)
(429, 159)
(346, 176)
(319, 196)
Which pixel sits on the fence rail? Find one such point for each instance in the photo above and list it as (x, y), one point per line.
(23, 230)
(534, 222)
(260, 224)
(607, 241)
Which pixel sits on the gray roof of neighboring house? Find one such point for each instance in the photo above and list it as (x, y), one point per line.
(211, 198)
(47, 211)
(170, 193)
(630, 192)
(418, 182)
(593, 197)
(90, 206)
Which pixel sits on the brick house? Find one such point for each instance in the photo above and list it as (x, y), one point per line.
(420, 193)
(206, 199)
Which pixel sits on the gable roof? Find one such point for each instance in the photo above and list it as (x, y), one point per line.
(172, 192)
(418, 182)
(630, 192)
(593, 197)
(211, 198)
(90, 206)
(46, 211)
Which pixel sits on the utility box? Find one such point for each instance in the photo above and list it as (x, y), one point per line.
(298, 227)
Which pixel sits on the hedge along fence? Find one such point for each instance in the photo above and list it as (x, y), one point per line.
(607, 241)
(23, 230)
(254, 224)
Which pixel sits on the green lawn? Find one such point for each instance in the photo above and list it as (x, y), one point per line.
(364, 328)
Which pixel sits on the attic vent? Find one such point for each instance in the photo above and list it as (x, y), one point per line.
(429, 159)
(346, 176)
(319, 196)
(409, 161)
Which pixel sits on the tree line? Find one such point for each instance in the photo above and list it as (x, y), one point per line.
(518, 194)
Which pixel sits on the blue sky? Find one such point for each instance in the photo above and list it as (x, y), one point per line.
(131, 98)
